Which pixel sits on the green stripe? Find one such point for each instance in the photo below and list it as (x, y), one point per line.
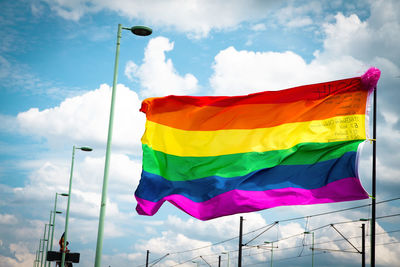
(176, 168)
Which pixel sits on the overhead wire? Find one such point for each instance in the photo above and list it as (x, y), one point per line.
(269, 226)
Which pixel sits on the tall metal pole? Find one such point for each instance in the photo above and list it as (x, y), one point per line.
(99, 246)
(363, 245)
(44, 239)
(48, 238)
(147, 258)
(240, 242)
(272, 252)
(219, 261)
(53, 226)
(40, 251)
(54, 221)
(137, 30)
(67, 214)
(228, 257)
(37, 257)
(312, 249)
(373, 219)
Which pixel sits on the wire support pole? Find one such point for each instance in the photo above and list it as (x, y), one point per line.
(358, 251)
(272, 225)
(205, 261)
(240, 242)
(363, 245)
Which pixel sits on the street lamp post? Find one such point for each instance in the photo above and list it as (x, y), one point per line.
(36, 262)
(40, 251)
(54, 221)
(44, 240)
(272, 250)
(227, 253)
(137, 30)
(312, 248)
(87, 149)
(48, 237)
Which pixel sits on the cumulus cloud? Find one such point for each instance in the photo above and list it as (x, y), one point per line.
(350, 47)
(217, 229)
(374, 42)
(362, 39)
(22, 256)
(243, 72)
(170, 241)
(157, 74)
(87, 181)
(53, 176)
(84, 119)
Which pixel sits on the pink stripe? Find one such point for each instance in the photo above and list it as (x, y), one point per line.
(238, 201)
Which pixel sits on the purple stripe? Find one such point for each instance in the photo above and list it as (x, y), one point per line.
(238, 201)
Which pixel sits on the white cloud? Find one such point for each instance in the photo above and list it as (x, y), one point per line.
(53, 177)
(350, 47)
(22, 256)
(259, 27)
(84, 119)
(8, 219)
(157, 74)
(300, 22)
(171, 241)
(299, 16)
(379, 36)
(130, 70)
(124, 175)
(5, 67)
(243, 72)
(192, 17)
(216, 229)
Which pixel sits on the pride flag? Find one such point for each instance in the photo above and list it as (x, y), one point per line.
(212, 156)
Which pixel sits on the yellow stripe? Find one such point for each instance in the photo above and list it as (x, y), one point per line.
(214, 143)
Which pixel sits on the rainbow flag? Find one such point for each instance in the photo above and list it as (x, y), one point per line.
(213, 156)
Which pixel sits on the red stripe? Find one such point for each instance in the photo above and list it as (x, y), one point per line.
(305, 92)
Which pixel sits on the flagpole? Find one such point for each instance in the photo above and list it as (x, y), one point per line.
(373, 219)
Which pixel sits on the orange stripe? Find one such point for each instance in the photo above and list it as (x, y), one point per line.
(251, 116)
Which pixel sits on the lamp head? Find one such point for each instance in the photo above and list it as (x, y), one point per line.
(141, 30)
(86, 148)
(64, 194)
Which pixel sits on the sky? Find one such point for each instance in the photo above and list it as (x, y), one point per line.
(56, 70)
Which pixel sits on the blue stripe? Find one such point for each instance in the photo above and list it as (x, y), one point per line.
(153, 187)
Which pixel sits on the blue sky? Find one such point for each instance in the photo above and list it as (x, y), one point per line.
(56, 69)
